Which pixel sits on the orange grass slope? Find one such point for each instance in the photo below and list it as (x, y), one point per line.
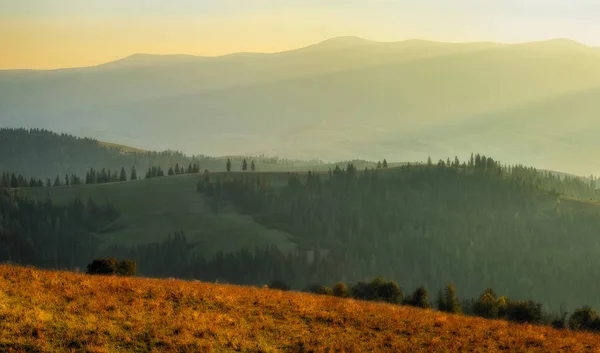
(47, 311)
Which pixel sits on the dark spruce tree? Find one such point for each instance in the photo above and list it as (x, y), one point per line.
(123, 176)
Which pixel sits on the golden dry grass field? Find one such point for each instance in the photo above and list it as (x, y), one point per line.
(49, 311)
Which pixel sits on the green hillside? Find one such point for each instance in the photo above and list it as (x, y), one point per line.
(151, 209)
(45, 154)
(508, 227)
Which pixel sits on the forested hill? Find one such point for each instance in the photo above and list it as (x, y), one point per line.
(38, 153)
(479, 224)
(44, 154)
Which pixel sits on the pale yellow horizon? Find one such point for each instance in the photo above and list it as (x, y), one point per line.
(42, 34)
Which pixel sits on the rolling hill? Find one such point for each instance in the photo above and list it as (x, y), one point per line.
(45, 154)
(341, 99)
(153, 208)
(44, 311)
(431, 225)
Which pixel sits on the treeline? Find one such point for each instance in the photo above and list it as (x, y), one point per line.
(47, 235)
(155, 172)
(104, 176)
(41, 153)
(244, 166)
(488, 305)
(477, 222)
(93, 176)
(12, 180)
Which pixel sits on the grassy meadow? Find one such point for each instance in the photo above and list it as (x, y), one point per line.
(152, 208)
(47, 311)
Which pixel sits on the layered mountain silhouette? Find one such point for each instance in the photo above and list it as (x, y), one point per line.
(532, 103)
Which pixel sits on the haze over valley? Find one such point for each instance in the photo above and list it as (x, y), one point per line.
(341, 99)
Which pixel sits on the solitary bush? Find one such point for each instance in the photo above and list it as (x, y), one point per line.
(560, 322)
(585, 318)
(448, 301)
(107, 266)
(502, 304)
(110, 266)
(127, 268)
(318, 289)
(279, 284)
(391, 293)
(487, 305)
(378, 290)
(524, 311)
(340, 290)
(361, 291)
(419, 298)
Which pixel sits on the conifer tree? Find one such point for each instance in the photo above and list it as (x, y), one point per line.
(123, 176)
(171, 172)
(228, 165)
(133, 174)
(253, 166)
(57, 181)
(177, 171)
(14, 182)
(385, 163)
(448, 301)
(244, 165)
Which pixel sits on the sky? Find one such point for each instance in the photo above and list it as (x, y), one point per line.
(47, 34)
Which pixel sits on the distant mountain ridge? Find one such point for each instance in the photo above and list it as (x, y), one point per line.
(340, 99)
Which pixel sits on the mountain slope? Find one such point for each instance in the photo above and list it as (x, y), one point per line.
(54, 311)
(558, 131)
(339, 99)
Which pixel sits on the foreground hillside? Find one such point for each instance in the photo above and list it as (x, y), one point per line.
(45, 311)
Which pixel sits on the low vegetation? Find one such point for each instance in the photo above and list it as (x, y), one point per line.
(45, 311)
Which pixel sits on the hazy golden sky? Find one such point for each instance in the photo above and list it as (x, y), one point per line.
(67, 33)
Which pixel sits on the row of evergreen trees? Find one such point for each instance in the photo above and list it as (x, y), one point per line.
(104, 176)
(93, 176)
(155, 172)
(12, 180)
(244, 165)
(41, 153)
